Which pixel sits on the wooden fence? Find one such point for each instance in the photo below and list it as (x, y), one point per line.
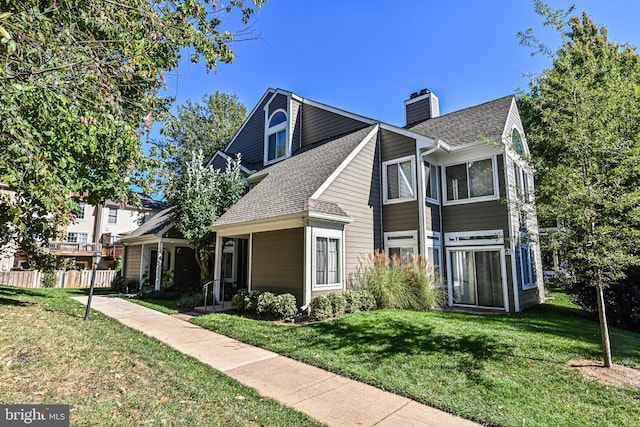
(64, 279)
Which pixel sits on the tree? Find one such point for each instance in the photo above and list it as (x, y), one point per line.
(79, 82)
(583, 129)
(206, 126)
(200, 195)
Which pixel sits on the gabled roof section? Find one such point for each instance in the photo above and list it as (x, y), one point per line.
(287, 186)
(146, 204)
(154, 227)
(468, 125)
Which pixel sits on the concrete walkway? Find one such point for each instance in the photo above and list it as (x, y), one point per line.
(327, 397)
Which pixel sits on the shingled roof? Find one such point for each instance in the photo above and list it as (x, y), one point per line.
(468, 125)
(288, 185)
(154, 225)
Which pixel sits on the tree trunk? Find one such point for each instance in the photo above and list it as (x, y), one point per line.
(604, 328)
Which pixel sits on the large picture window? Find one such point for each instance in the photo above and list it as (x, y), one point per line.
(399, 180)
(328, 259)
(276, 137)
(471, 180)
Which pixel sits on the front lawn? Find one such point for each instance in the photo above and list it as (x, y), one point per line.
(498, 369)
(113, 375)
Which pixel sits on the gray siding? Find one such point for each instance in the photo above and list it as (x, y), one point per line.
(296, 117)
(319, 125)
(394, 146)
(401, 216)
(278, 103)
(529, 298)
(219, 162)
(356, 190)
(508, 259)
(133, 262)
(277, 262)
(250, 140)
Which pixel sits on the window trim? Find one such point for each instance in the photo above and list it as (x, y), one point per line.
(526, 245)
(115, 216)
(401, 239)
(486, 237)
(414, 188)
(82, 212)
(268, 131)
(427, 173)
(496, 189)
(433, 240)
(327, 234)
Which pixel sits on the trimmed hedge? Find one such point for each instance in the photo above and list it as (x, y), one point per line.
(265, 304)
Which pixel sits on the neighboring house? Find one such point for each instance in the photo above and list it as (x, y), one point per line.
(100, 228)
(157, 253)
(328, 187)
(7, 253)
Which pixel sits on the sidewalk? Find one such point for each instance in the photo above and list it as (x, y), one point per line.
(328, 397)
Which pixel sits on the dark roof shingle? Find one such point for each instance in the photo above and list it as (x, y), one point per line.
(468, 125)
(288, 185)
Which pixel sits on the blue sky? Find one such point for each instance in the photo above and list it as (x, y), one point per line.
(367, 57)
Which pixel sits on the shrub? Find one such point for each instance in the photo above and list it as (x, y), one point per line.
(49, 279)
(622, 300)
(352, 301)
(338, 303)
(190, 301)
(152, 294)
(396, 285)
(251, 301)
(239, 300)
(123, 285)
(367, 300)
(266, 304)
(285, 306)
(321, 308)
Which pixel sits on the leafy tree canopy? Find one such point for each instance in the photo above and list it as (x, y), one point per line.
(79, 82)
(206, 126)
(582, 123)
(200, 194)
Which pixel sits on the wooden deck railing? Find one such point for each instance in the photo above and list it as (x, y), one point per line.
(74, 248)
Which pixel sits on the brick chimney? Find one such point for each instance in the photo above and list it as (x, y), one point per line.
(421, 106)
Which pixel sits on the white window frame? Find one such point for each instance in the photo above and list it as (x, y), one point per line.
(475, 238)
(433, 241)
(72, 237)
(427, 173)
(496, 190)
(77, 237)
(327, 234)
(530, 267)
(268, 131)
(82, 212)
(114, 216)
(401, 239)
(413, 186)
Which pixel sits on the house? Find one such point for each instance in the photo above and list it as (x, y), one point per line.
(99, 228)
(157, 253)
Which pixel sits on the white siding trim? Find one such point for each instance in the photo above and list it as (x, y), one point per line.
(414, 187)
(345, 163)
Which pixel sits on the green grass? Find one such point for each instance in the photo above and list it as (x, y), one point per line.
(506, 370)
(113, 375)
(161, 305)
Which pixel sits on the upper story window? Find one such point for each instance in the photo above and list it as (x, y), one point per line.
(276, 139)
(516, 142)
(73, 237)
(471, 181)
(113, 215)
(81, 213)
(430, 182)
(399, 180)
(522, 184)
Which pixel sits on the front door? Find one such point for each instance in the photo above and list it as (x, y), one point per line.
(476, 278)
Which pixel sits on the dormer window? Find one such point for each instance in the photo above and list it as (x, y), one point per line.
(276, 139)
(516, 142)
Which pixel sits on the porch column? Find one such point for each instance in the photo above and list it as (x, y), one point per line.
(159, 266)
(217, 267)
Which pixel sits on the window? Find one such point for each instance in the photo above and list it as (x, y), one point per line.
(399, 180)
(471, 180)
(522, 184)
(327, 260)
(276, 144)
(430, 182)
(516, 142)
(402, 245)
(527, 263)
(433, 252)
(81, 213)
(113, 215)
(73, 237)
